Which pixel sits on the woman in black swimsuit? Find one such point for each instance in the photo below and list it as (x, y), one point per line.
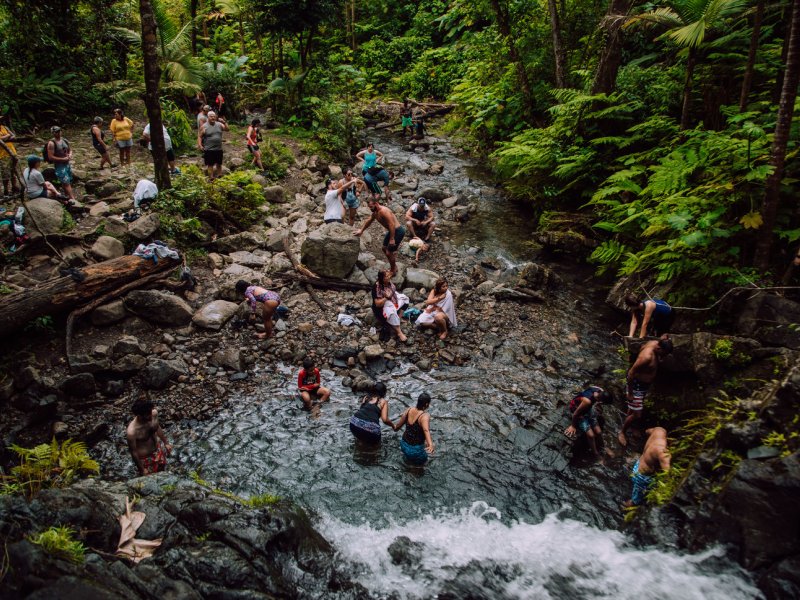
(416, 443)
(365, 424)
(99, 142)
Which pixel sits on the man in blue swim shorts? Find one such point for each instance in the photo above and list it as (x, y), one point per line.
(655, 457)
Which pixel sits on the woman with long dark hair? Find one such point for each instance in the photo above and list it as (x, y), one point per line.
(365, 423)
(416, 442)
(386, 301)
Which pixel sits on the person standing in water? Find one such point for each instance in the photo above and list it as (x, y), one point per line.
(406, 118)
(655, 457)
(640, 376)
(365, 423)
(394, 231)
(270, 301)
(416, 442)
(146, 440)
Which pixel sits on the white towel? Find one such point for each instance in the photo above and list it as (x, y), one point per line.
(447, 306)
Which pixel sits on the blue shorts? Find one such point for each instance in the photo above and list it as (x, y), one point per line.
(399, 234)
(641, 483)
(414, 454)
(372, 180)
(64, 173)
(588, 421)
(124, 143)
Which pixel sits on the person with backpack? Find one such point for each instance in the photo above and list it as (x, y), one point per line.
(582, 409)
(58, 152)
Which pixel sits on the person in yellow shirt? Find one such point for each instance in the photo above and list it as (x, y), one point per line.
(8, 157)
(122, 130)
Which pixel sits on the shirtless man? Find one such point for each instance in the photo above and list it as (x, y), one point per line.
(640, 376)
(149, 455)
(655, 457)
(394, 231)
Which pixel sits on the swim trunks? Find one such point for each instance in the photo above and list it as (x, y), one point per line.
(414, 454)
(63, 172)
(156, 462)
(406, 121)
(366, 431)
(641, 483)
(637, 390)
(588, 421)
(399, 234)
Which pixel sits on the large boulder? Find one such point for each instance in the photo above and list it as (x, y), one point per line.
(767, 317)
(107, 247)
(229, 358)
(45, 215)
(275, 194)
(331, 250)
(276, 238)
(421, 278)
(110, 313)
(158, 373)
(109, 188)
(143, 227)
(159, 307)
(215, 314)
(246, 240)
(434, 194)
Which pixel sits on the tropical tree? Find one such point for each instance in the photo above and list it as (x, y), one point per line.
(610, 58)
(152, 78)
(689, 23)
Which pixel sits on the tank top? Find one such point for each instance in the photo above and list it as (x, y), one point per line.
(662, 308)
(94, 139)
(413, 434)
(60, 149)
(252, 136)
(369, 412)
(212, 137)
(370, 160)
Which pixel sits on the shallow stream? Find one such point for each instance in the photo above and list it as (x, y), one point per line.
(503, 509)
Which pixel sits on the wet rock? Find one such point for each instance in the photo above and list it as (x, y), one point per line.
(434, 194)
(373, 352)
(47, 214)
(127, 345)
(107, 247)
(450, 202)
(436, 168)
(84, 363)
(421, 278)
(159, 307)
(331, 250)
(6, 389)
(419, 164)
(215, 314)
(144, 227)
(782, 581)
(158, 373)
(26, 377)
(59, 430)
(767, 318)
(405, 552)
(81, 385)
(536, 276)
(113, 388)
(230, 358)
(110, 313)
(246, 240)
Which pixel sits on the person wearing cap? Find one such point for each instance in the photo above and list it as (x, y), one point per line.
(209, 140)
(419, 218)
(122, 130)
(8, 157)
(99, 142)
(35, 185)
(60, 154)
(334, 204)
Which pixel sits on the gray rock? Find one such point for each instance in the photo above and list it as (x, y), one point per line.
(275, 194)
(421, 278)
(230, 358)
(158, 373)
(276, 238)
(335, 171)
(246, 240)
(110, 313)
(436, 168)
(81, 385)
(159, 307)
(373, 351)
(300, 226)
(109, 188)
(248, 259)
(127, 344)
(83, 363)
(235, 163)
(450, 202)
(107, 247)
(434, 194)
(129, 364)
(113, 388)
(239, 271)
(331, 250)
(100, 209)
(215, 314)
(144, 227)
(48, 215)
(486, 287)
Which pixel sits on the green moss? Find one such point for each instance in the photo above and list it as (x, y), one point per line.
(58, 542)
(67, 222)
(723, 349)
(258, 501)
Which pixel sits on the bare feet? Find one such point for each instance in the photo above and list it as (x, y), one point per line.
(261, 336)
(443, 336)
(401, 337)
(623, 441)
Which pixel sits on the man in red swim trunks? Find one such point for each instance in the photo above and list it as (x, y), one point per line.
(146, 440)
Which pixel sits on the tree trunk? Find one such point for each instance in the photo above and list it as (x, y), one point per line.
(504, 25)
(205, 23)
(241, 34)
(791, 78)
(776, 91)
(152, 78)
(353, 24)
(687, 88)
(605, 78)
(65, 294)
(751, 56)
(280, 56)
(193, 16)
(558, 46)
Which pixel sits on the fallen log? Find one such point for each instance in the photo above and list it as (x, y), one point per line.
(431, 113)
(64, 294)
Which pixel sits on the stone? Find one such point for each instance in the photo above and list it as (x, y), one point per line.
(110, 313)
(486, 287)
(305, 327)
(215, 314)
(159, 307)
(434, 194)
(108, 188)
(418, 163)
(47, 214)
(144, 227)
(248, 259)
(230, 358)
(129, 364)
(300, 226)
(767, 318)
(246, 240)
(81, 385)
(407, 553)
(275, 194)
(107, 247)
(100, 209)
(113, 388)
(127, 344)
(436, 168)
(373, 351)
(335, 171)
(158, 373)
(275, 241)
(421, 278)
(450, 202)
(331, 250)
(83, 363)
(216, 260)
(239, 271)
(235, 162)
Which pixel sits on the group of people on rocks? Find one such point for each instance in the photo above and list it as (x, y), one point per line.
(647, 315)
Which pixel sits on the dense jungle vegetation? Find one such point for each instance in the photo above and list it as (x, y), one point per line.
(669, 122)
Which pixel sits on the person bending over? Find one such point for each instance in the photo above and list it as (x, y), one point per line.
(146, 440)
(583, 413)
(655, 457)
(309, 384)
(655, 315)
(365, 423)
(270, 301)
(394, 231)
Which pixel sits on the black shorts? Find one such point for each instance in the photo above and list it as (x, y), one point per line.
(212, 158)
(399, 234)
(171, 155)
(100, 149)
(253, 149)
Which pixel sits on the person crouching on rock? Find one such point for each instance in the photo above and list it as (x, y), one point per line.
(270, 300)
(655, 457)
(146, 440)
(584, 415)
(309, 384)
(365, 424)
(386, 301)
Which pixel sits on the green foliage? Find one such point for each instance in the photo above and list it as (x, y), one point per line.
(433, 75)
(778, 440)
(67, 222)
(59, 542)
(336, 126)
(723, 349)
(42, 324)
(178, 126)
(276, 158)
(50, 465)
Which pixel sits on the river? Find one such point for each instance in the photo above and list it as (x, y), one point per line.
(503, 509)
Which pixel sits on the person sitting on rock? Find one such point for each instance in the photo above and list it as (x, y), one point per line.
(394, 231)
(35, 184)
(583, 413)
(309, 384)
(655, 457)
(440, 309)
(143, 434)
(270, 301)
(655, 315)
(419, 219)
(365, 423)
(167, 146)
(374, 172)
(386, 302)
(351, 194)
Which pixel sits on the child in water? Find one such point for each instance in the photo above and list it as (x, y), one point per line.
(309, 384)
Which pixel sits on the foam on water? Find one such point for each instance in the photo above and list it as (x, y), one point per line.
(473, 552)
